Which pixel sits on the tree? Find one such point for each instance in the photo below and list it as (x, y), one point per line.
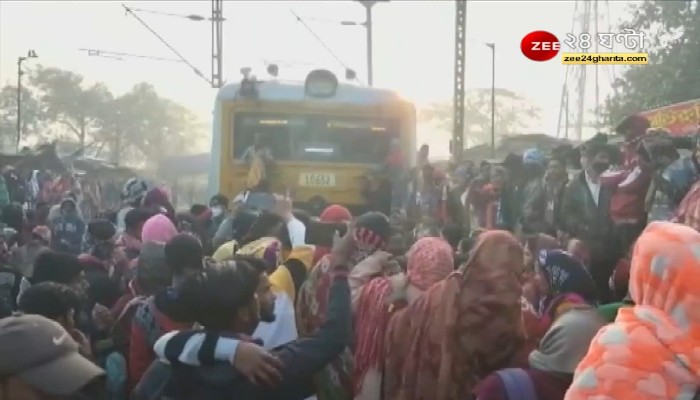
(31, 115)
(514, 114)
(65, 100)
(138, 128)
(146, 125)
(672, 30)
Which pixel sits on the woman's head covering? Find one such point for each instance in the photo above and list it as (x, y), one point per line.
(335, 213)
(158, 228)
(268, 249)
(430, 260)
(372, 232)
(566, 341)
(332, 214)
(651, 350)
(566, 275)
(157, 198)
(441, 344)
(569, 285)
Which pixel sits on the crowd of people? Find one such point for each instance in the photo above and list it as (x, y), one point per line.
(538, 284)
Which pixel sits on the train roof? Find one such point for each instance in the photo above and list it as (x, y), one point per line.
(294, 91)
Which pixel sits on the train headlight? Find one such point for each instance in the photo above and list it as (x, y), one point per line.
(321, 83)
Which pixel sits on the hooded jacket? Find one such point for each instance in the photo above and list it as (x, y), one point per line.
(68, 229)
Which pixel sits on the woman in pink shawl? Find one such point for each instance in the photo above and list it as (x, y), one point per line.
(158, 228)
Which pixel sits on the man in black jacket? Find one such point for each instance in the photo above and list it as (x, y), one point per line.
(229, 290)
(585, 213)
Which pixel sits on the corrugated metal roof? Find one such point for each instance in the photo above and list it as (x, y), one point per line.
(294, 91)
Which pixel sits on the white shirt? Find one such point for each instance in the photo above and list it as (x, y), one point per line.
(297, 232)
(594, 187)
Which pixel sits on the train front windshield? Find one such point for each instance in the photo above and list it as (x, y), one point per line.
(315, 137)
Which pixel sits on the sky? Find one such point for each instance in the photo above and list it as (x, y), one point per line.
(413, 46)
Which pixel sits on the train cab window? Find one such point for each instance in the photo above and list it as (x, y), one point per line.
(275, 132)
(359, 140)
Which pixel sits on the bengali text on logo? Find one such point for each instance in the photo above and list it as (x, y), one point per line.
(629, 40)
(544, 46)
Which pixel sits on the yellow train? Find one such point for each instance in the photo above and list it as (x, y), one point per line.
(324, 136)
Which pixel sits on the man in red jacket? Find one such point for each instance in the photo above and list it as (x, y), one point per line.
(629, 183)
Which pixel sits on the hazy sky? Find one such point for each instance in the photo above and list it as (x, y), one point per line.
(413, 45)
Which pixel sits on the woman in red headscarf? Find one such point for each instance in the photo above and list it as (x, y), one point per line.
(333, 214)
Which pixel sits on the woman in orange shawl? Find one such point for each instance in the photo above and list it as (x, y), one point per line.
(652, 350)
(461, 329)
(430, 260)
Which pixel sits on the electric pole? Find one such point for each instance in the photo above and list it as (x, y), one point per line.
(217, 43)
(368, 21)
(460, 60)
(20, 60)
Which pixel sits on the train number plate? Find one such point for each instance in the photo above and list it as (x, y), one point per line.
(317, 180)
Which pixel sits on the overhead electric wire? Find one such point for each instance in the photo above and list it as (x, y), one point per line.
(319, 40)
(109, 54)
(321, 20)
(177, 53)
(193, 17)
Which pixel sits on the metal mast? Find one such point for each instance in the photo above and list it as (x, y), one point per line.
(596, 69)
(460, 60)
(217, 56)
(580, 72)
(585, 21)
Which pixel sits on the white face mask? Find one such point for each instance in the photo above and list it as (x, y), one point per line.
(217, 211)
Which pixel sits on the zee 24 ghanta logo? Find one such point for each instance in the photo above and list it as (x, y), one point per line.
(543, 45)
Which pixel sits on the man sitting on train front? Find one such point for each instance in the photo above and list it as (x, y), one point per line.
(258, 157)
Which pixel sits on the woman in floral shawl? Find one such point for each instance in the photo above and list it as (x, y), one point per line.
(461, 329)
(371, 231)
(651, 350)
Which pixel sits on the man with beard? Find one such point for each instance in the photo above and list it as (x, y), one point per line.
(226, 298)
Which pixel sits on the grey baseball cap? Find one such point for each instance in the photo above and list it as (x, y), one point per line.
(44, 355)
